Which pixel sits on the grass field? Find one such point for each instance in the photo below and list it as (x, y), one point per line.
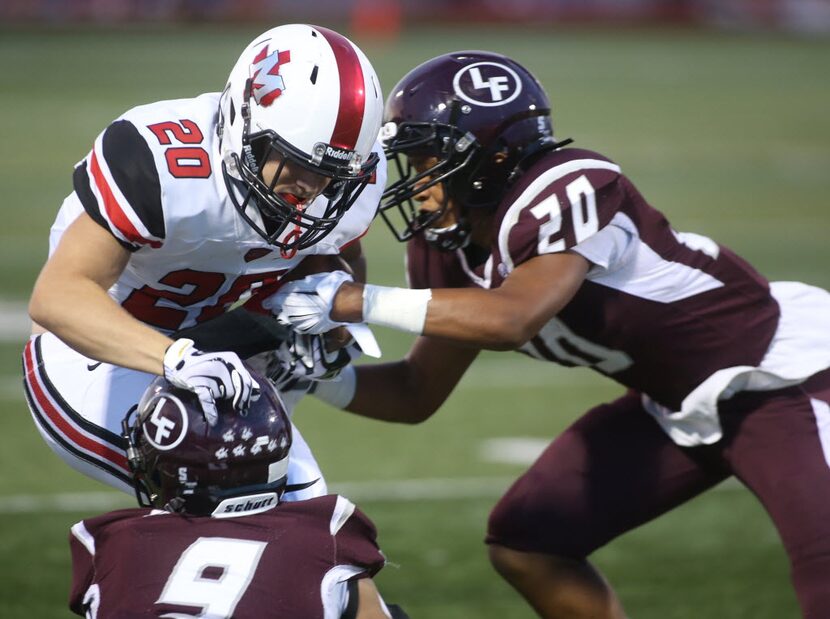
(728, 134)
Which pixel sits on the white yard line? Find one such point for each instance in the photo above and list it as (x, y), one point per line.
(14, 321)
(512, 449)
(382, 490)
(437, 489)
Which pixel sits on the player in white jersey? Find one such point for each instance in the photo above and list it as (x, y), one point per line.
(517, 242)
(183, 209)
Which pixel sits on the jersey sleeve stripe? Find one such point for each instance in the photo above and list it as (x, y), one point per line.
(82, 535)
(544, 180)
(343, 510)
(80, 181)
(120, 222)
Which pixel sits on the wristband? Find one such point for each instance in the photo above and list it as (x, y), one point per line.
(338, 393)
(398, 308)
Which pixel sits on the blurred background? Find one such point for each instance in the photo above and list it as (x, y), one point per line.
(717, 110)
(385, 17)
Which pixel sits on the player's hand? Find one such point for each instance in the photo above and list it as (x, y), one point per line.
(306, 357)
(211, 376)
(306, 304)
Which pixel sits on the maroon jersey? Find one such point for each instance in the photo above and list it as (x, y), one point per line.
(290, 562)
(659, 311)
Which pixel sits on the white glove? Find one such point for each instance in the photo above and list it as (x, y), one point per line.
(211, 376)
(306, 357)
(306, 304)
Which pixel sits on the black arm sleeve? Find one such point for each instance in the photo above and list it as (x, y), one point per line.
(239, 331)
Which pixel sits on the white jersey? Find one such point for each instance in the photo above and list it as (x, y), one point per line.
(153, 179)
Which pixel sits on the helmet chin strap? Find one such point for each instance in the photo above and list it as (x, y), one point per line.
(449, 238)
(175, 505)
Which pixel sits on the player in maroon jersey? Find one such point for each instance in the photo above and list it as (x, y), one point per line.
(516, 242)
(212, 538)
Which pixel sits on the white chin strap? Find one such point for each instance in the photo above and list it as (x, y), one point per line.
(437, 236)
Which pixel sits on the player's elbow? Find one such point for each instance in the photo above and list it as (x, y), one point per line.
(415, 406)
(41, 308)
(47, 303)
(421, 397)
(509, 332)
(418, 412)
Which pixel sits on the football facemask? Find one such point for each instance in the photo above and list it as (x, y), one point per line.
(284, 220)
(453, 151)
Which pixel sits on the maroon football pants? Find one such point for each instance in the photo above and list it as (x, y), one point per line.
(615, 469)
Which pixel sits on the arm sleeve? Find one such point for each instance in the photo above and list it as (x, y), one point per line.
(118, 186)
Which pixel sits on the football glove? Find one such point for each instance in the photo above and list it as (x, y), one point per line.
(306, 303)
(303, 358)
(211, 376)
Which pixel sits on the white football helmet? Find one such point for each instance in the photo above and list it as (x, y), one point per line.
(310, 95)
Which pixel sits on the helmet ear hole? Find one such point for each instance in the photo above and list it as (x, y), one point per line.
(260, 149)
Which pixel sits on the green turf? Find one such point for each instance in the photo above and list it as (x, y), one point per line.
(727, 134)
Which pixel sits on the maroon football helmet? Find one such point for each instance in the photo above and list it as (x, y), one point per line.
(181, 463)
(482, 115)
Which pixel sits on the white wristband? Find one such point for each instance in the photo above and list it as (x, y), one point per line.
(398, 308)
(338, 393)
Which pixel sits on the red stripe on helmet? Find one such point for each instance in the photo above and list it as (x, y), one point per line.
(352, 91)
(61, 423)
(114, 211)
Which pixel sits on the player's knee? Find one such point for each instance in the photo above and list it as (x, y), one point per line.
(529, 569)
(509, 563)
(548, 525)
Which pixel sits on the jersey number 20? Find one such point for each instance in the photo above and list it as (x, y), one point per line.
(183, 161)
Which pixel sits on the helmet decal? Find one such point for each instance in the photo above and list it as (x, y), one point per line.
(487, 83)
(167, 425)
(267, 83)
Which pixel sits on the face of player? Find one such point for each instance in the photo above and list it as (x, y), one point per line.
(432, 199)
(294, 183)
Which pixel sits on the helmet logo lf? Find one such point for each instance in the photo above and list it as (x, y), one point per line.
(268, 84)
(487, 84)
(167, 425)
